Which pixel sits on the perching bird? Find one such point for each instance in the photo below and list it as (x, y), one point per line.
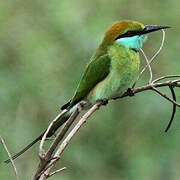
(111, 70)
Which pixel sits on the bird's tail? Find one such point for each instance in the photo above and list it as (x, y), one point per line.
(53, 129)
(24, 150)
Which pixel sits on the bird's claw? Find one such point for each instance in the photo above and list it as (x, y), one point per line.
(130, 91)
(104, 101)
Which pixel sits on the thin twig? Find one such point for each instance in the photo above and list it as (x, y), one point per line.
(66, 127)
(174, 109)
(10, 157)
(41, 149)
(176, 81)
(148, 65)
(165, 96)
(165, 77)
(161, 46)
(149, 87)
(57, 171)
(46, 159)
(76, 128)
(69, 137)
(157, 52)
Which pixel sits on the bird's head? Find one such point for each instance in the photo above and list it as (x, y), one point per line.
(130, 34)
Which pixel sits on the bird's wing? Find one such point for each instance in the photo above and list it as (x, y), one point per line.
(95, 72)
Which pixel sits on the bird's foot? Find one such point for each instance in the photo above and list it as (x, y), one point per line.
(130, 91)
(104, 101)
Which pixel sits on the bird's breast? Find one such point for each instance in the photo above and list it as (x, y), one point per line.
(123, 71)
(124, 68)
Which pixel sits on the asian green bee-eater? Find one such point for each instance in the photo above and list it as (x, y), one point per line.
(111, 70)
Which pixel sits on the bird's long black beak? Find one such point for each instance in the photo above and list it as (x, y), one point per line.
(152, 28)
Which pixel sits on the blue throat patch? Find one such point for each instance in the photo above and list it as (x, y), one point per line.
(134, 42)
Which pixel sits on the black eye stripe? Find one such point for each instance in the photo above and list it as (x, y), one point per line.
(128, 34)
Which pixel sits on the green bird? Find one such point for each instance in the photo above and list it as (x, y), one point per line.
(111, 70)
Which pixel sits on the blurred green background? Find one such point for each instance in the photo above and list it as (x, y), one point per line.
(44, 46)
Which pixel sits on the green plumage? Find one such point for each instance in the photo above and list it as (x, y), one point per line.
(124, 65)
(96, 71)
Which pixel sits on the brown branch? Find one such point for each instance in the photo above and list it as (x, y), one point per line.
(174, 108)
(148, 62)
(46, 159)
(148, 65)
(41, 148)
(149, 87)
(10, 157)
(68, 138)
(165, 77)
(49, 160)
(165, 96)
(57, 171)
(65, 129)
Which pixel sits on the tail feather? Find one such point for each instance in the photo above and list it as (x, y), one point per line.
(53, 129)
(24, 150)
(65, 106)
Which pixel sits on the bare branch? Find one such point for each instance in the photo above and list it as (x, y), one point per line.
(57, 171)
(176, 81)
(10, 157)
(174, 108)
(165, 77)
(76, 128)
(150, 61)
(149, 87)
(49, 160)
(41, 149)
(165, 96)
(65, 129)
(69, 137)
(148, 65)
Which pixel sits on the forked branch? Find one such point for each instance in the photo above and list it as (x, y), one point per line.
(51, 157)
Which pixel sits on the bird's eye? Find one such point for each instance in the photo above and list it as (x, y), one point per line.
(129, 33)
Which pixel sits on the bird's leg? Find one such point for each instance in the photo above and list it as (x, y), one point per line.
(104, 101)
(130, 91)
